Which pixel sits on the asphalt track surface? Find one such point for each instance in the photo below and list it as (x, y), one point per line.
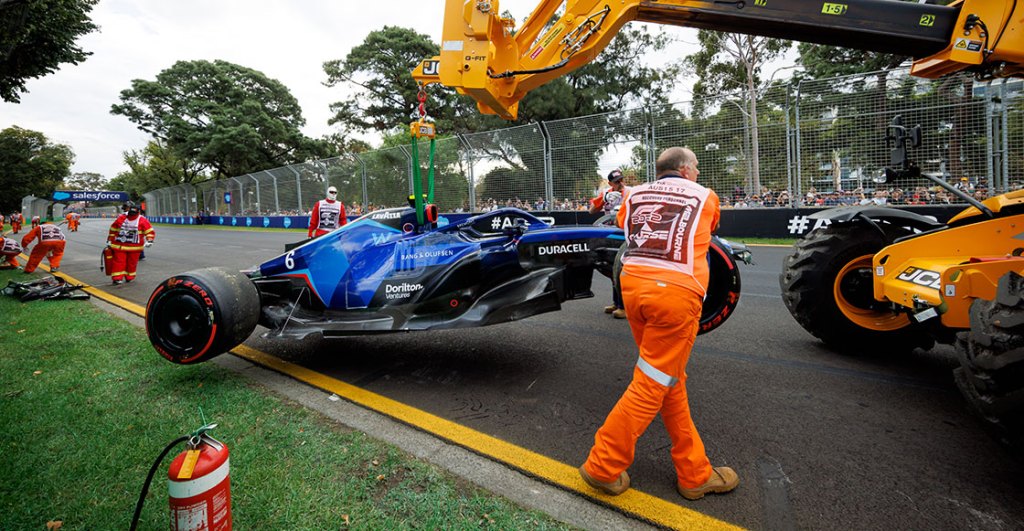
(820, 440)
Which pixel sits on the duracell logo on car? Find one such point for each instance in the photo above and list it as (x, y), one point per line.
(401, 291)
(571, 248)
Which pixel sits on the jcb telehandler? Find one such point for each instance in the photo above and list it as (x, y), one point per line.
(875, 277)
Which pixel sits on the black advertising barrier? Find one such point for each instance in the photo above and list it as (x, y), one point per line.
(736, 222)
(795, 222)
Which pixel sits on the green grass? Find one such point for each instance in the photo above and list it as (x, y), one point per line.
(87, 405)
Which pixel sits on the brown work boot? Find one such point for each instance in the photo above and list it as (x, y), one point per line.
(609, 309)
(723, 479)
(614, 488)
(619, 313)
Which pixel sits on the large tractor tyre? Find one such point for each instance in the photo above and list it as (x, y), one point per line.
(991, 372)
(198, 315)
(723, 286)
(827, 284)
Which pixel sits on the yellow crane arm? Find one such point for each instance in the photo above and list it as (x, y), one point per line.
(485, 56)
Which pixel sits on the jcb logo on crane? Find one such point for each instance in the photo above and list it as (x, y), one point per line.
(431, 68)
(921, 277)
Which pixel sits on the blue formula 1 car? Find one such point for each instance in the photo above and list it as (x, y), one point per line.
(387, 272)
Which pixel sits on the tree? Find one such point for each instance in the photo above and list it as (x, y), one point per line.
(618, 79)
(730, 61)
(36, 37)
(155, 166)
(30, 165)
(384, 94)
(225, 117)
(384, 100)
(84, 181)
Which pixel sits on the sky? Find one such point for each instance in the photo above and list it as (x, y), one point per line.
(286, 40)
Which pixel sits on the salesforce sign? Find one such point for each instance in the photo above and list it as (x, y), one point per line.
(83, 195)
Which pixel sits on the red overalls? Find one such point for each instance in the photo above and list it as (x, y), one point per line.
(327, 215)
(127, 238)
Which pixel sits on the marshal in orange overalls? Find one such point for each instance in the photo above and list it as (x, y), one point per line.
(51, 245)
(668, 225)
(9, 251)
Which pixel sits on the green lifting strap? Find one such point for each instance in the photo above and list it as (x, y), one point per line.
(417, 184)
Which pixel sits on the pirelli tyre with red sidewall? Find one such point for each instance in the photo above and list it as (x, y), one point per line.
(723, 292)
(195, 316)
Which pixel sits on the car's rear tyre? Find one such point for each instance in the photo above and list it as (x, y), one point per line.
(723, 292)
(195, 316)
(723, 288)
(991, 353)
(827, 284)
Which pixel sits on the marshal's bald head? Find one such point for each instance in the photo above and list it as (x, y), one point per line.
(677, 160)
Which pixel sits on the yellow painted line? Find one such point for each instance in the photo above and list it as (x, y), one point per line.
(645, 506)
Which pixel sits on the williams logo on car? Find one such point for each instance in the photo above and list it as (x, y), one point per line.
(401, 291)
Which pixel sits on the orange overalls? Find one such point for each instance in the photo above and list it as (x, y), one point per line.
(127, 237)
(668, 225)
(51, 245)
(9, 251)
(16, 223)
(72, 219)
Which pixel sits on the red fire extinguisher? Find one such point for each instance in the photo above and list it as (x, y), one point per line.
(107, 260)
(199, 486)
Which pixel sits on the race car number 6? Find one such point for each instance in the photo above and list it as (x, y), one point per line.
(289, 260)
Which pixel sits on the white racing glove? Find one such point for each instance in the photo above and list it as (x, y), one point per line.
(148, 244)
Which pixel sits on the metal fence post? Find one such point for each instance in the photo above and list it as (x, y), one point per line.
(408, 159)
(789, 143)
(990, 132)
(798, 196)
(259, 201)
(362, 177)
(470, 177)
(298, 188)
(652, 147)
(1005, 186)
(549, 176)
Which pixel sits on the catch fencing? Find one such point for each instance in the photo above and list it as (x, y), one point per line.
(805, 143)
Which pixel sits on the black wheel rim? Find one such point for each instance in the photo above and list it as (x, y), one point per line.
(182, 322)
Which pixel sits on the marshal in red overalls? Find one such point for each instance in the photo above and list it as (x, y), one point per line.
(328, 214)
(128, 236)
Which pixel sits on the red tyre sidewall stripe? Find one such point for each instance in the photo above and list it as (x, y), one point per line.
(213, 334)
(149, 304)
